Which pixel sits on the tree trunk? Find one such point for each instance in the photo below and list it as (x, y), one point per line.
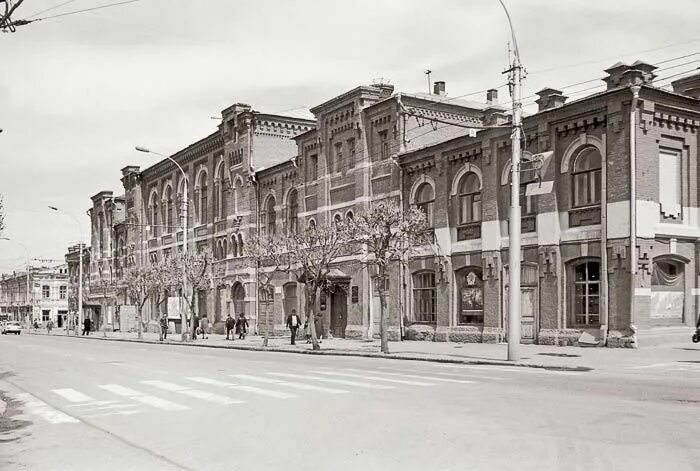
(311, 314)
(266, 335)
(139, 316)
(382, 313)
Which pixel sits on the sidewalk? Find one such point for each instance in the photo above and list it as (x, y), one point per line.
(534, 356)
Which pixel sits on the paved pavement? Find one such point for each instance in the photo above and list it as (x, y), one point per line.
(78, 404)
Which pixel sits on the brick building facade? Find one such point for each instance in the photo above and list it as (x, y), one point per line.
(39, 294)
(261, 173)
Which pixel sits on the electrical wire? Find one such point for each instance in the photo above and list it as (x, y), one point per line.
(49, 9)
(85, 10)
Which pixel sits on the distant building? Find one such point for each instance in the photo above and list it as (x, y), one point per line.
(584, 272)
(39, 294)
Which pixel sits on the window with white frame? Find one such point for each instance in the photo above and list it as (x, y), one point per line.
(670, 183)
(586, 178)
(46, 291)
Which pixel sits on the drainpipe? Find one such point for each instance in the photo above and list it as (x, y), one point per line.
(605, 324)
(633, 206)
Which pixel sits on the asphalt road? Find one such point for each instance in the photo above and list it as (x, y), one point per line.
(90, 405)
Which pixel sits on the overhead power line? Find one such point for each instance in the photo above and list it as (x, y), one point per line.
(49, 9)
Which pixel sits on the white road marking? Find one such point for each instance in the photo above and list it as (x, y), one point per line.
(122, 412)
(72, 395)
(429, 378)
(199, 394)
(45, 411)
(236, 387)
(95, 403)
(137, 396)
(654, 365)
(291, 384)
(336, 381)
(441, 373)
(514, 369)
(375, 378)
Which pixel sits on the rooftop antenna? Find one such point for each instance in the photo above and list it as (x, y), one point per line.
(428, 72)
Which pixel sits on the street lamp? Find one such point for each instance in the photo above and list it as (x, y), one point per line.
(80, 270)
(26, 252)
(183, 314)
(516, 73)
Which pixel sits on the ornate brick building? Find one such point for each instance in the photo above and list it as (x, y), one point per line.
(588, 159)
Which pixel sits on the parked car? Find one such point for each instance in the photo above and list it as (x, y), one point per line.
(11, 327)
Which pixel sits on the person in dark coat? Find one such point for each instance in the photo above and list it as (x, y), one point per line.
(293, 323)
(87, 323)
(195, 326)
(163, 327)
(242, 326)
(230, 325)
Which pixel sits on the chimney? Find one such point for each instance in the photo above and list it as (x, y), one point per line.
(439, 88)
(623, 75)
(129, 169)
(550, 98)
(492, 96)
(495, 116)
(385, 89)
(688, 86)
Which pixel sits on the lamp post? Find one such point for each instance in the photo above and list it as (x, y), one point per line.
(515, 76)
(186, 200)
(80, 270)
(26, 252)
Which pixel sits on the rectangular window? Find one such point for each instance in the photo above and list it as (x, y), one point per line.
(45, 315)
(670, 183)
(62, 292)
(45, 292)
(424, 297)
(339, 163)
(384, 144)
(313, 167)
(351, 150)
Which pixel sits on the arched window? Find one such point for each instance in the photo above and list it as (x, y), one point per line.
(234, 246)
(168, 209)
(349, 216)
(424, 296)
(337, 220)
(425, 199)
(586, 177)
(268, 218)
(100, 232)
(153, 209)
(293, 211)
(203, 198)
(220, 194)
(312, 223)
(586, 294)
(469, 199)
(667, 289)
(240, 244)
(238, 296)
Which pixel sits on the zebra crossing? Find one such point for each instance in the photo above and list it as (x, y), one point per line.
(65, 405)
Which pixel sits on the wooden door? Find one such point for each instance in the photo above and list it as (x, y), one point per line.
(339, 313)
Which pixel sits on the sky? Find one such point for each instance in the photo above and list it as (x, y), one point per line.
(78, 92)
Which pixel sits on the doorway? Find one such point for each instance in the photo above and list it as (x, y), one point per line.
(339, 312)
(529, 304)
(290, 299)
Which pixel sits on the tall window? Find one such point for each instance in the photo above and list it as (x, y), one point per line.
(587, 294)
(424, 296)
(425, 199)
(271, 222)
(586, 177)
(101, 232)
(384, 144)
(62, 290)
(293, 216)
(312, 167)
(153, 206)
(469, 199)
(203, 194)
(339, 160)
(220, 194)
(670, 183)
(45, 292)
(351, 152)
(168, 209)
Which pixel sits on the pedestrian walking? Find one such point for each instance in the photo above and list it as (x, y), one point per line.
(242, 326)
(293, 323)
(204, 327)
(86, 326)
(36, 325)
(230, 325)
(49, 326)
(195, 326)
(163, 327)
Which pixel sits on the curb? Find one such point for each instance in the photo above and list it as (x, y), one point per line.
(340, 353)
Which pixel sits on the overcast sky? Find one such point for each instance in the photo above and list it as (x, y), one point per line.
(78, 92)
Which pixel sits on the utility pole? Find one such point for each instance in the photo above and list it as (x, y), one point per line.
(515, 74)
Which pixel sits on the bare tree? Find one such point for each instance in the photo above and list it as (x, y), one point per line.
(196, 269)
(388, 232)
(271, 257)
(143, 283)
(311, 253)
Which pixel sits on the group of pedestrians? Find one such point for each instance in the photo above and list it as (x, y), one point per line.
(240, 326)
(199, 327)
